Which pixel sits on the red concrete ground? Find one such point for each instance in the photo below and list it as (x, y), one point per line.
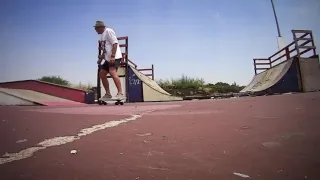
(198, 140)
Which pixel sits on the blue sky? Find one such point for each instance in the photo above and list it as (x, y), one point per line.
(211, 39)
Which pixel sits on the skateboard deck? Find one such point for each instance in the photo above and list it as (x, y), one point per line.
(116, 102)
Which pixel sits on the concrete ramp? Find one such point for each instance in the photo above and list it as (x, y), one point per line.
(54, 90)
(139, 87)
(294, 75)
(144, 89)
(29, 97)
(281, 78)
(11, 100)
(294, 68)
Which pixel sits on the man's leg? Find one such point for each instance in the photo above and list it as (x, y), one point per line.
(113, 73)
(103, 76)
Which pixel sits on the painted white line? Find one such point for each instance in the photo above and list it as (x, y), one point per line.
(241, 175)
(22, 141)
(57, 141)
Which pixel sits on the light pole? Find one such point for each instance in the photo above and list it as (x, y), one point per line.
(276, 18)
(280, 40)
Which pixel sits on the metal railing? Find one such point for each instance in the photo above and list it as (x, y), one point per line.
(300, 46)
(125, 46)
(149, 69)
(126, 61)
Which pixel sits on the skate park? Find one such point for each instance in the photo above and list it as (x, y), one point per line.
(269, 130)
(69, 136)
(139, 86)
(292, 69)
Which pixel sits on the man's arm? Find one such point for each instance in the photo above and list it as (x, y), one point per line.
(114, 41)
(114, 50)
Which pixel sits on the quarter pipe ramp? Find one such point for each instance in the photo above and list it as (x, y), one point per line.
(298, 70)
(281, 78)
(293, 75)
(139, 87)
(144, 89)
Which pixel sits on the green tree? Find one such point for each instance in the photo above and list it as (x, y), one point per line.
(55, 80)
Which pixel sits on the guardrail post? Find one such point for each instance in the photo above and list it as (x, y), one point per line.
(296, 42)
(254, 65)
(152, 72)
(270, 62)
(287, 53)
(127, 47)
(313, 44)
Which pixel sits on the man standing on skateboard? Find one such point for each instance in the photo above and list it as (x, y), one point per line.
(112, 56)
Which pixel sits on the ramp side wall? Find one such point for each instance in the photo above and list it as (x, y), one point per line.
(310, 74)
(290, 80)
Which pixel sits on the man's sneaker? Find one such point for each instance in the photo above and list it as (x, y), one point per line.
(119, 97)
(106, 97)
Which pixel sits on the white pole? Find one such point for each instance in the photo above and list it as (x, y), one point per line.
(280, 40)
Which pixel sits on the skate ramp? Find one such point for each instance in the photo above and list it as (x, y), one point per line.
(255, 80)
(144, 89)
(278, 79)
(29, 97)
(55, 90)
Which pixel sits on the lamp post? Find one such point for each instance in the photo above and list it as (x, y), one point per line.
(280, 39)
(276, 18)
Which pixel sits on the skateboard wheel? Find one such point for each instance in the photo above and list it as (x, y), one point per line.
(102, 103)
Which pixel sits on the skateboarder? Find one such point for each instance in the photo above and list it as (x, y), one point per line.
(112, 56)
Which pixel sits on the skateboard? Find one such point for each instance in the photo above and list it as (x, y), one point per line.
(117, 102)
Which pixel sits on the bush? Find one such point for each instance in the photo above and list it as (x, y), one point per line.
(55, 80)
(83, 87)
(191, 86)
(184, 82)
